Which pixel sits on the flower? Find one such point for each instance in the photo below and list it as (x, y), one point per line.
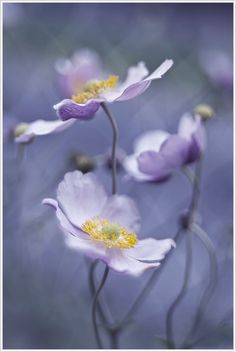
(84, 104)
(73, 73)
(157, 154)
(25, 132)
(218, 66)
(104, 227)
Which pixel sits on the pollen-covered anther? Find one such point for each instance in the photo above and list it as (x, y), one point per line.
(93, 88)
(112, 235)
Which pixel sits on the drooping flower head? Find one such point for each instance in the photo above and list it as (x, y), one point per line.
(157, 154)
(104, 227)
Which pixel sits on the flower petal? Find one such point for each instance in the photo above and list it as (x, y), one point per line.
(193, 130)
(81, 197)
(119, 261)
(83, 66)
(66, 225)
(126, 92)
(93, 249)
(68, 109)
(161, 70)
(122, 211)
(135, 74)
(151, 140)
(173, 154)
(43, 127)
(155, 165)
(130, 164)
(151, 249)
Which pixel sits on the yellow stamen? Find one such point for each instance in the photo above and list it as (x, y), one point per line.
(93, 88)
(112, 235)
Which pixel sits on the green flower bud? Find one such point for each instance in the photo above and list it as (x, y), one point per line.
(83, 162)
(205, 111)
(20, 129)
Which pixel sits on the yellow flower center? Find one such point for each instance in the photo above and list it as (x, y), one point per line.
(112, 235)
(93, 88)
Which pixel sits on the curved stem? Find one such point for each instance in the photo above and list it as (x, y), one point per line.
(95, 301)
(171, 311)
(203, 236)
(150, 283)
(93, 290)
(114, 142)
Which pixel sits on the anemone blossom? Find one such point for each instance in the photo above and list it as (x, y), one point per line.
(104, 227)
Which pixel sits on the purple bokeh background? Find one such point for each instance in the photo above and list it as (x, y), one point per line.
(46, 299)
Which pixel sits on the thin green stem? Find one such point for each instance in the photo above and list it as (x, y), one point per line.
(149, 285)
(114, 142)
(203, 236)
(183, 290)
(94, 307)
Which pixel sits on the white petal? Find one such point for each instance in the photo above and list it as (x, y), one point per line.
(122, 211)
(43, 127)
(66, 225)
(151, 140)
(119, 261)
(91, 248)
(81, 196)
(160, 71)
(187, 126)
(151, 249)
(135, 74)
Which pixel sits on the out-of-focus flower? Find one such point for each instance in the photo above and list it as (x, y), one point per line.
(218, 66)
(157, 154)
(25, 132)
(104, 227)
(84, 104)
(73, 73)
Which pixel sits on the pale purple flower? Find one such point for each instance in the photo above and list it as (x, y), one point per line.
(218, 66)
(27, 131)
(73, 73)
(104, 227)
(157, 154)
(85, 104)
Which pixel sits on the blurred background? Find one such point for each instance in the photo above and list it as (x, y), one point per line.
(47, 304)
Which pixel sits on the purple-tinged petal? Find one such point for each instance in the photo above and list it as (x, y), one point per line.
(81, 197)
(151, 140)
(122, 211)
(130, 164)
(43, 127)
(73, 73)
(125, 92)
(173, 154)
(155, 165)
(66, 225)
(119, 261)
(68, 109)
(151, 249)
(135, 74)
(193, 130)
(93, 249)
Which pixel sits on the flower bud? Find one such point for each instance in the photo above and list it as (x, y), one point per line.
(83, 162)
(205, 111)
(20, 129)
